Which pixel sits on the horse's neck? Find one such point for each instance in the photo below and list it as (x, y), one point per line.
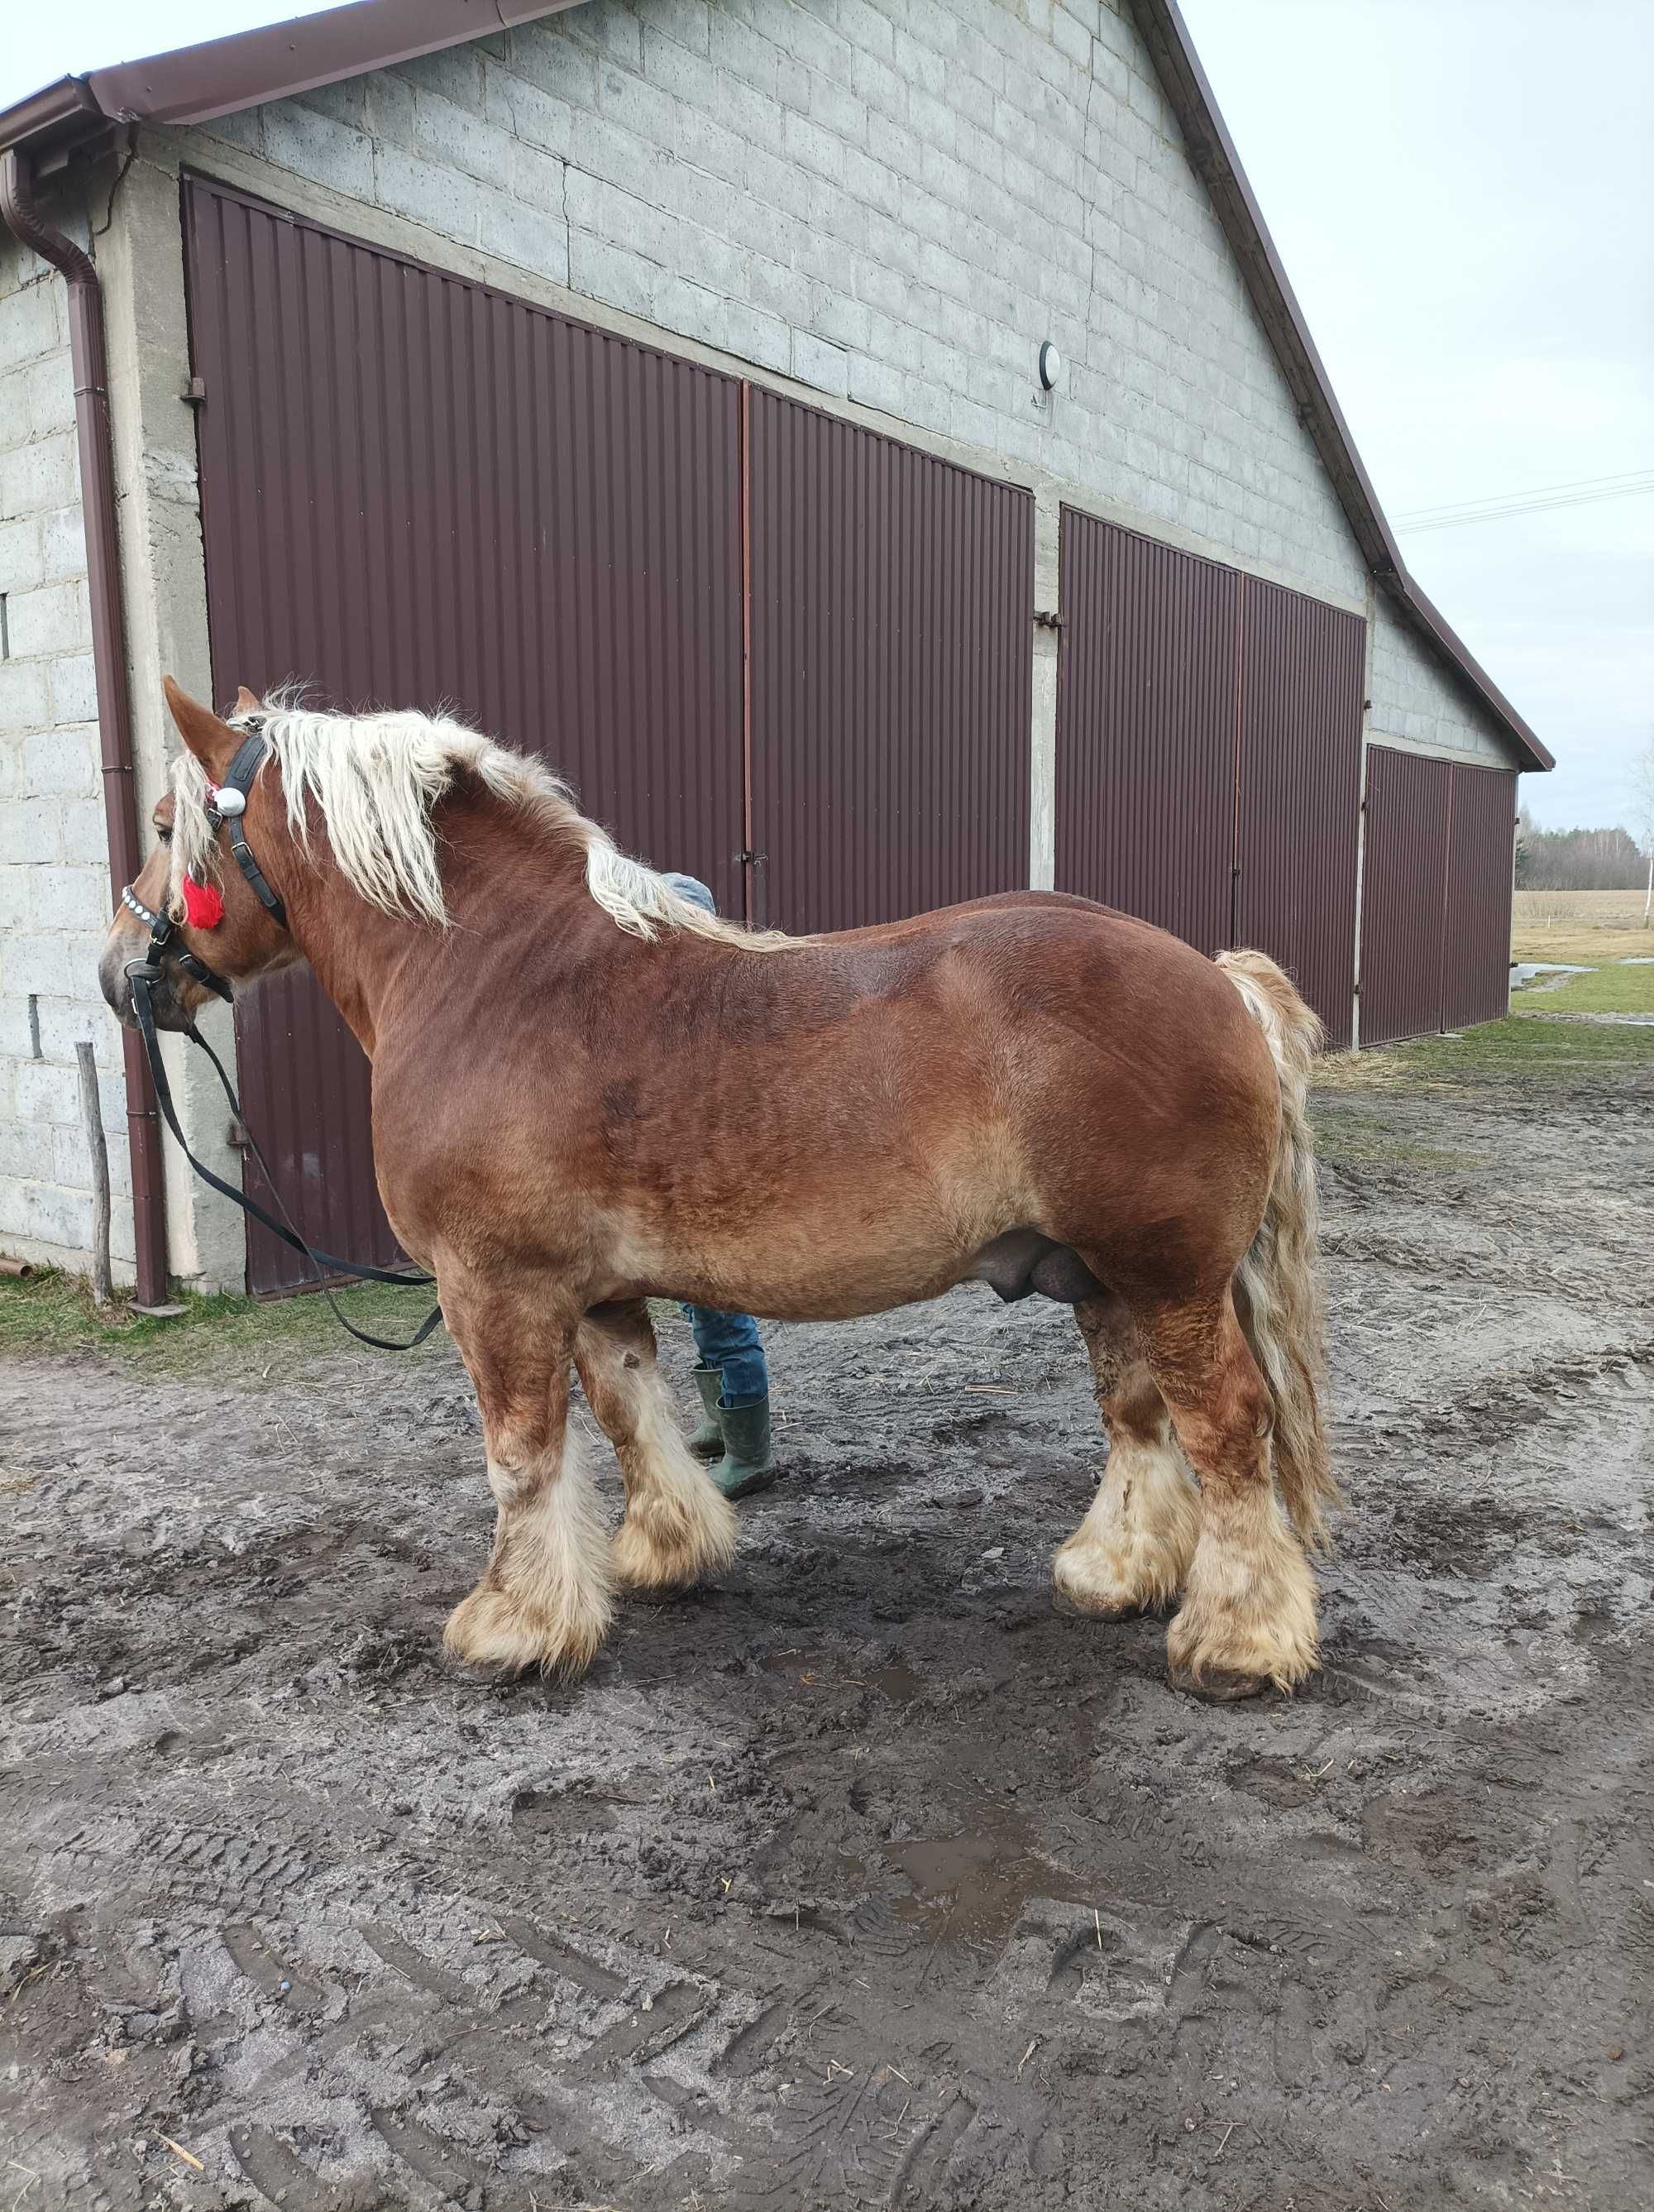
(495, 867)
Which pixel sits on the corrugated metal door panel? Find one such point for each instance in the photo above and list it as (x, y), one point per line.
(416, 490)
(1403, 893)
(891, 668)
(1146, 724)
(1476, 961)
(1298, 821)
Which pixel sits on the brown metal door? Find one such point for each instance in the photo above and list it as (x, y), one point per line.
(415, 491)
(1298, 819)
(1403, 893)
(1476, 958)
(1147, 712)
(892, 669)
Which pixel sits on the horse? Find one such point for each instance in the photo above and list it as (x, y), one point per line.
(588, 1093)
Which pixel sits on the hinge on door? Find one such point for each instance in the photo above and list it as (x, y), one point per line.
(1049, 618)
(194, 392)
(236, 1135)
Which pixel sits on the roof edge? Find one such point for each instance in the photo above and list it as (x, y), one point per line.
(194, 84)
(1211, 153)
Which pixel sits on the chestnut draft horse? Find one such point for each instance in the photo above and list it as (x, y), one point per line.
(587, 1093)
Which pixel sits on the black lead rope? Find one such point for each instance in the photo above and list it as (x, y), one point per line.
(323, 1263)
(225, 810)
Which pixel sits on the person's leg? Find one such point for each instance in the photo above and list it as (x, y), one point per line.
(707, 1438)
(731, 1342)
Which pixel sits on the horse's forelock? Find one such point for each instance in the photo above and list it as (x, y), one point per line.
(194, 849)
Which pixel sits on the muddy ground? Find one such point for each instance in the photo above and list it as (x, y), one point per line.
(862, 1878)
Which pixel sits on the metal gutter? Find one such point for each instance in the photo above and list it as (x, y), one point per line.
(1211, 153)
(66, 110)
(88, 358)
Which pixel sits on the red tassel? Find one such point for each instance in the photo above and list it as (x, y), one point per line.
(203, 904)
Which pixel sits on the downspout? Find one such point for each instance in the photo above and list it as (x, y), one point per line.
(89, 361)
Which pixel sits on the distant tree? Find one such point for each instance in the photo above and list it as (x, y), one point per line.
(1525, 832)
(1582, 860)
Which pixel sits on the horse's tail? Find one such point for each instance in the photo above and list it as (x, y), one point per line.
(1277, 1286)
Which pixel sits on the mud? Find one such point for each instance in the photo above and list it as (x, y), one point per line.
(861, 1879)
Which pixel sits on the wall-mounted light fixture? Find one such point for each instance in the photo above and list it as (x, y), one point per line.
(1050, 365)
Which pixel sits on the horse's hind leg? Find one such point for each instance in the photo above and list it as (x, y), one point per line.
(1248, 1613)
(1131, 1551)
(678, 1523)
(543, 1599)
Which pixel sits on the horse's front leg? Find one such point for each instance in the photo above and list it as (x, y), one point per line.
(678, 1523)
(543, 1600)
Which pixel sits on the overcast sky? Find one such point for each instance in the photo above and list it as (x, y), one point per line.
(1462, 193)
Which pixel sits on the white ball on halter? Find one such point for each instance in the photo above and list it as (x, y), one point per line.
(229, 800)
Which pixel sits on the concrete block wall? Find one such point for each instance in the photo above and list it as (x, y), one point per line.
(1416, 702)
(54, 868)
(891, 201)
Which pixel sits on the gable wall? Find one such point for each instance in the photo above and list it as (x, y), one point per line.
(891, 201)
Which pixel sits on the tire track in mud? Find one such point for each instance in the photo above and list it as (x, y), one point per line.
(533, 2092)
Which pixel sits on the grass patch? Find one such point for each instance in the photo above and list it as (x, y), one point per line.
(53, 1312)
(1600, 991)
(1572, 946)
(1516, 1048)
(1356, 1141)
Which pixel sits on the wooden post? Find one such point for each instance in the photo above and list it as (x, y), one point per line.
(102, 1285)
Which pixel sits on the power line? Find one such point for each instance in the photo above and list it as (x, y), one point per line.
(1528, 507)
(1586, 491)
(1528, 491)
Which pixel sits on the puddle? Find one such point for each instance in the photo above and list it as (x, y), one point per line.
(813, 1670)
(978, 1881)
(1527, 971)
(549, 1812)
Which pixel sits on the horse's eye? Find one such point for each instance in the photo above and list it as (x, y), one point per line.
(164, 836)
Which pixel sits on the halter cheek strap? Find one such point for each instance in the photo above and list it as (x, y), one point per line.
(228, 802)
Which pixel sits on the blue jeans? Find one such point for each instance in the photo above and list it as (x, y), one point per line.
(731, 1342)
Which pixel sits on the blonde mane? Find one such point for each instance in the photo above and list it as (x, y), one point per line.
(375, 779)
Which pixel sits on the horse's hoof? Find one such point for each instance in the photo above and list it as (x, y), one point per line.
(1062, 1602)
(1218, 1685)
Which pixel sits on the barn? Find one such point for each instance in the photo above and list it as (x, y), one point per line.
(871, 446)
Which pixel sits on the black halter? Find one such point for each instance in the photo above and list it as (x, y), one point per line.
(225, 807)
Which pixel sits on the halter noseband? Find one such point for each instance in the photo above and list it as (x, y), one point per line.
(225, 804)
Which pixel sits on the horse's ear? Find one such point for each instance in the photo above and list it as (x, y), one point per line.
(246, 702)
(208, 739)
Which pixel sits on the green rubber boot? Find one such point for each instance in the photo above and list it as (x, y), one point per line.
(707, 1441)
(747, 1464)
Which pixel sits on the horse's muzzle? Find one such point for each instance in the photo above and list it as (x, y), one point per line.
(124, 950)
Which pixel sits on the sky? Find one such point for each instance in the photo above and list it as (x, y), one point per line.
(1462, 193)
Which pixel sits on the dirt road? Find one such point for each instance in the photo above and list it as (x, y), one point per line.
(861, 1879)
